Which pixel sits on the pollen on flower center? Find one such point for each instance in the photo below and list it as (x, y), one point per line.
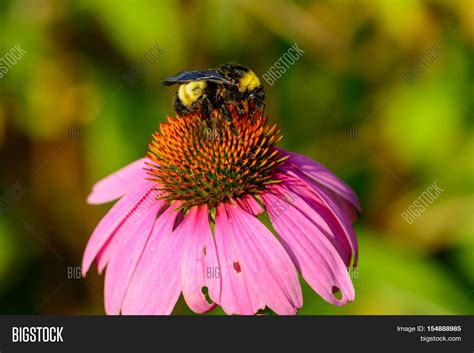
(199, 165)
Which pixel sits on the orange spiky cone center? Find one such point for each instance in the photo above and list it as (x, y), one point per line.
(197, 164)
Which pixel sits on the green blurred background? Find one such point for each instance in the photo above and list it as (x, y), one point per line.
(68, 117)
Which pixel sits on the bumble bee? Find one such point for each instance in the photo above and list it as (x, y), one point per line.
(207, 90)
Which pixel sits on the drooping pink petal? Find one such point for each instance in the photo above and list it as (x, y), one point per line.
(256, 271)
(312, 252)
(112, 220)
(249, 204)
(130, 241)
(298, 196)
(323, 176)
(119, 183)
(320, 195)
(112, 245)
(156, 282)
(105, 254)
(200, 267)
(346, 208)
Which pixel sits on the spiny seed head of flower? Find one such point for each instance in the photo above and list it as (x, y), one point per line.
(198, 164)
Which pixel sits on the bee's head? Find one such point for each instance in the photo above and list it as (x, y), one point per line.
(244, 78)
(188, 93)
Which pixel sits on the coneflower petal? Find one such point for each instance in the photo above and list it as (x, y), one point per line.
(119, 183)
(315, 257)
(156, 282)
(200, 267)
(130, 239)
(324, 196)
(299, 196)
(256, 270)
(320, 174)
(112, 220)
(249, 204)
(110, 247)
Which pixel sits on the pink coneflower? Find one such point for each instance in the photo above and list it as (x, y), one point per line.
(191, 219)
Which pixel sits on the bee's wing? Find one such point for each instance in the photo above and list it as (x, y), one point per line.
(190, 76)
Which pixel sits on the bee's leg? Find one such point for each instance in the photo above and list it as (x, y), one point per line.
(240, 108)
(256, 98)
(224, 110)
(261, 107)
(227, 116)
(206, 110)
(252, 109)
(257, 105)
